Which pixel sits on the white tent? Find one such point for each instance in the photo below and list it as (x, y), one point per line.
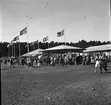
(99, 48)
(34, 53)
(63, 47)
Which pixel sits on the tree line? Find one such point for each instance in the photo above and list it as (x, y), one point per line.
(5, 51)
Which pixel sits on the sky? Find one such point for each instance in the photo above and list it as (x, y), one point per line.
(81, 20)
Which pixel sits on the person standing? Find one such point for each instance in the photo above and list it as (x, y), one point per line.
(83, 60)
(104, 62)
(28, 62)
(61, 60)
(12, 63)
(5, 61)
(97, 65)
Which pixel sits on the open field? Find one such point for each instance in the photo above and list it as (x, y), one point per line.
(68, 85)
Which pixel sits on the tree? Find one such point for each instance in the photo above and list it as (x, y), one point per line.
(4, 51)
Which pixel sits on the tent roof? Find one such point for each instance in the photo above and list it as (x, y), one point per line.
(62, 47)
(34, 53)
(106, 47)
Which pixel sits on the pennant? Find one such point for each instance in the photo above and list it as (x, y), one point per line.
(24, 31)
(61, 33)
(45, 39)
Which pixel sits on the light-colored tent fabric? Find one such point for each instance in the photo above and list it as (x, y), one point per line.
(25, 55)
(12, 57)
(62, 47)
(106, 47)
(34, 53)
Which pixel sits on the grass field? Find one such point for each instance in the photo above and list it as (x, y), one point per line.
(68, 85)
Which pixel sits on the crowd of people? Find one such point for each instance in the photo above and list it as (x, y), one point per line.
(100, 60)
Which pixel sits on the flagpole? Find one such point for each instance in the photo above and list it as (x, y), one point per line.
(9, 51)
(14, 49)
(38, 44)
(64, 38)
(8, 46)
(33, 47)
(48, 44)
(19, 47)
(27, 34)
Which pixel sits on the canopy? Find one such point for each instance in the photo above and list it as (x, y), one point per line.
(99, 48)
(63, 48)
(34, 53)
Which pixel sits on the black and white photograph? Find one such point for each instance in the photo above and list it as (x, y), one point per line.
(55, 52)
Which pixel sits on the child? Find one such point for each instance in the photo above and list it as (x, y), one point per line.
(97, 65)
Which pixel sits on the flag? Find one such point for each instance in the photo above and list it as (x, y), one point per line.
(16, 38)
(24, 31)
(26, 45)
(61, 33)
(10, 44)
(34, 42)
(45, 39)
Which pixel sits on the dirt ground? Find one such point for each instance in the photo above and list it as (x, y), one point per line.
(67, 85)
